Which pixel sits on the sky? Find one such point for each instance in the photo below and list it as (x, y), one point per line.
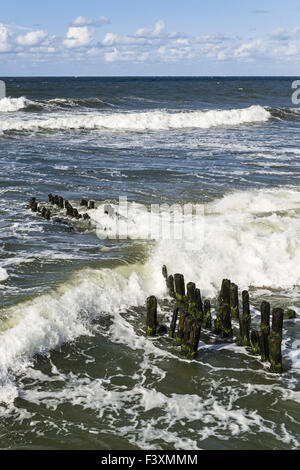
(149, 37)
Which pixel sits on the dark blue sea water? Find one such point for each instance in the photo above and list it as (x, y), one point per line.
(76, 370)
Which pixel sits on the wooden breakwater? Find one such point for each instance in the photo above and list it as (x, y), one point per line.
(57, 207)
(192, 314)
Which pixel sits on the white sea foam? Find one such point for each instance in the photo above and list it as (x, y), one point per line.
(3, 274)
(140, 121)
(8, 105)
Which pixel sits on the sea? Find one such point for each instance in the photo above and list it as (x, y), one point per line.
(76, 368)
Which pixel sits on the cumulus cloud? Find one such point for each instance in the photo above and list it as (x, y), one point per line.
(78, 36)
(31, 38)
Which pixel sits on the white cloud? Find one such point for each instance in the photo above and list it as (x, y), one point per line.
(78, 37)
(82, 21)
(5, 36)
(32, 38)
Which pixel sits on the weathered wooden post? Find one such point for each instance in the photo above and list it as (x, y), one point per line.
(165, 272)
(47, 214)
(91, 204)
(151, 316)
(199, 305)
(245, 321)
(60, 202)
(170, 286)
(55, 200)
(255, 342)
(34, 207)
(173, 323)
(225, 316)
(234, 301)
(186, 333)
(50, 197)
(180, 290)
(275, 340)
(84, 202)
(224, 296)
(32, 201)
(207, 321)
(264, 332)
(191, 347)
(180, 330)
(193, 297)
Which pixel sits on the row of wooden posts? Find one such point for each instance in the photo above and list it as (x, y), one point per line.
(61, 203)
(191, 314)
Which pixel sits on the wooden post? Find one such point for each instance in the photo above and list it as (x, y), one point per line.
(170, 286)
(55, 200)
(180, 290)
(193, 339)
(32, 201)
(275, 354)
(60, 202)
(277, 322)
(245, 321)
(34, 207)
(47, 214)
(186, 333)
(50, 197)
(234, 301)
(263, 335)
(165, 272)
(199, 305)
(173, 323)
(226, 321)
(84, 202)
(151, 316)
(192, 299)
(255, 342)
(224, 296)
(207, 322)
(180, 330)
(275, 341)
(91, 204)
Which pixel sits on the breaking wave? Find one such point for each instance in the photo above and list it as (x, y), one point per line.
(140, 121)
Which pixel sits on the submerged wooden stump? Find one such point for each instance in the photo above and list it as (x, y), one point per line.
(151, 316)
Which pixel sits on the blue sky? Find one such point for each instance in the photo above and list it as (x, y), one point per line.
(143, 37)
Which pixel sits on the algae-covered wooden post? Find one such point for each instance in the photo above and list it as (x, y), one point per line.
(264, 332)
(207, 321)
(255, 342)
(170, 285)
(225, 295)
(234, 301)
(173, 323)
(151, 315)
(193, 299)
(245, 321)
(199, 304)
(189, 319)
(225, 317)
(180, 330)
(191, 346)
(180, 290)
(275, 340)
